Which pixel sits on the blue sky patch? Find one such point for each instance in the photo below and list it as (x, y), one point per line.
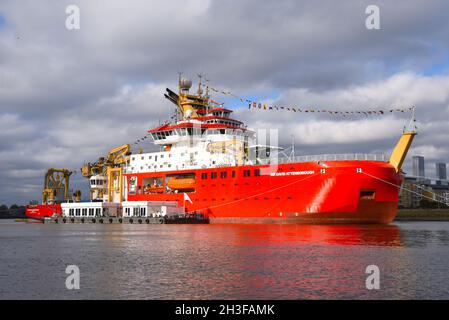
(2, 21)
(438, 68)
(234, 103)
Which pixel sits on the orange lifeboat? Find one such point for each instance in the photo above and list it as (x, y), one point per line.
(181, 183)
(154, 189)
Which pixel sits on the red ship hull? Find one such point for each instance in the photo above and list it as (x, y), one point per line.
(310, 192)
(42, 211)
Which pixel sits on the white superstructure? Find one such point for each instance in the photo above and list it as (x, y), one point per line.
(193, 148)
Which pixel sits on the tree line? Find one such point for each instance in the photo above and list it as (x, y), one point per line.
(12, 207)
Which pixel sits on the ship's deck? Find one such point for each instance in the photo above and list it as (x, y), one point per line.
(331, 157)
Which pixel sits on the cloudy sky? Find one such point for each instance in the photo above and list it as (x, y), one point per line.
(67, 96)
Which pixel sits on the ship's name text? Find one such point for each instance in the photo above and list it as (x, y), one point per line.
(292, 173)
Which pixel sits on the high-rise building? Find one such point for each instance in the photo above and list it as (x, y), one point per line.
(418, 166)
(441, 170)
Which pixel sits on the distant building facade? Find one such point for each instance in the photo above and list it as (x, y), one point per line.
(418, 166)
(441, 172)
(410, 195)
(418, 193)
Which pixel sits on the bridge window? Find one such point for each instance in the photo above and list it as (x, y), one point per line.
(223, 174)
(213, 175)
(233, 173)
(204, 175)
(247, 173)
(257, 172)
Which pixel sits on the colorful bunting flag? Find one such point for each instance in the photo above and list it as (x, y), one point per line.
(343, 113)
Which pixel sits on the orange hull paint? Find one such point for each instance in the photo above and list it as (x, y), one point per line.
(291, 193)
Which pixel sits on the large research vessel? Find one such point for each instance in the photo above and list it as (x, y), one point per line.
(211, 163)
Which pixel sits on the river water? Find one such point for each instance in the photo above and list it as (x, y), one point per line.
(224, 261)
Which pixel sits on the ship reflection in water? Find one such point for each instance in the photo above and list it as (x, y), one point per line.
(225, 261)
(377, 235)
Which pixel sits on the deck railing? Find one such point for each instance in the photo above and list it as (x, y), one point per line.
(330, 157)
(312, 158)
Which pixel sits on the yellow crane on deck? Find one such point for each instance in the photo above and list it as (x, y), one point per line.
(110, 167)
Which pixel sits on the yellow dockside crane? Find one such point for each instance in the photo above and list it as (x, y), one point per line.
(111, 168)
(56, 181)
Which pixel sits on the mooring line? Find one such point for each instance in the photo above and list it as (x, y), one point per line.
(411, 191)
(255, 195)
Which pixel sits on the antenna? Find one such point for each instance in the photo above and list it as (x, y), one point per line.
(200, 91)
(179, 80)
(293, 146)
(207, 96)
(412, 124)
(207, 88)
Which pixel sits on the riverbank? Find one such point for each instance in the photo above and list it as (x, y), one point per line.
(422, 215)
(13, 213)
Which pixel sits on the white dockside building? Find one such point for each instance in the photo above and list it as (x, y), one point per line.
(91, 209)
(151, 208)
(124, 209)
